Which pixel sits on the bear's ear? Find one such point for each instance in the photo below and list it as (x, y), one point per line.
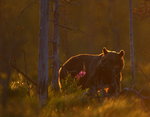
(122, 53)
(105, 51)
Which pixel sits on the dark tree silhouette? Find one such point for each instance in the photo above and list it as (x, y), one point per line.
(55, 85)
(43, 52)
(131, 42)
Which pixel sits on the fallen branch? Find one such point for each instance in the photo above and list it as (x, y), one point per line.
(25, 76)
(135, 92)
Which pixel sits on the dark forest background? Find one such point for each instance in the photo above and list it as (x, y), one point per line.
(85, 26)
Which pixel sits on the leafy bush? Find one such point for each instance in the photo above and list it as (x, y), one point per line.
(70, 85)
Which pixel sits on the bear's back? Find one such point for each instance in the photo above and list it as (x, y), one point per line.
(79, 62)
(81, 59)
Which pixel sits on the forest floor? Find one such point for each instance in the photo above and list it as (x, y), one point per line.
(72, 103)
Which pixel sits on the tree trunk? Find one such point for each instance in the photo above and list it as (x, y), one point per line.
(43, 52)
(131, 42)
(55, 85)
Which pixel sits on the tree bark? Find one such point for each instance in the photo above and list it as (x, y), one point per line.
(55, 85)
(132, 56)
(43, 52)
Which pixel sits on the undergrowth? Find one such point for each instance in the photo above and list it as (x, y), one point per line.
(72, 102)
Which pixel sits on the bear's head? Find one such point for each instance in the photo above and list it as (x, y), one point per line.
(112, 60)
(109, 66)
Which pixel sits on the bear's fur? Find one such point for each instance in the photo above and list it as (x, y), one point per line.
(100, 70)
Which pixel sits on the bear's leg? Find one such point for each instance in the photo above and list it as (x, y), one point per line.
(114, 90)
(92, 91)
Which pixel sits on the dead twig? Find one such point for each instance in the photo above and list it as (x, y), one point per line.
(25, 76)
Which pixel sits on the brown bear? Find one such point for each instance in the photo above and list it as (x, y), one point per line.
(95, 70)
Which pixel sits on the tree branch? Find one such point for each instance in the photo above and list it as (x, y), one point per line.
(68, 28)
(25, 76)
(26, 7)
